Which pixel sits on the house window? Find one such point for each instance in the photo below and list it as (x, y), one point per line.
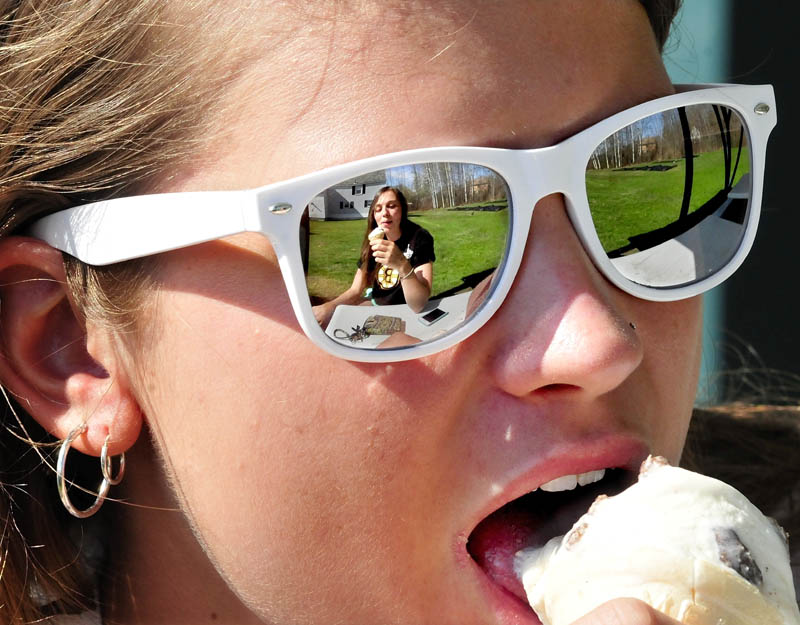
(359, 189)
(366, 203)
(341, 204)
(352, 205)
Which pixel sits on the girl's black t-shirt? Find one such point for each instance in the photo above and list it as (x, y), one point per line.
(416, 243)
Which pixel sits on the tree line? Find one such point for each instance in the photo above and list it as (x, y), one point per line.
(446, 185)
(662, 137)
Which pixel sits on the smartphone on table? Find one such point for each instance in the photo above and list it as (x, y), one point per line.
(432, 316)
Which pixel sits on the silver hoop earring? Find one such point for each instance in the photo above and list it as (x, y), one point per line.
(632, 325)
(105, 464)
(102, 490)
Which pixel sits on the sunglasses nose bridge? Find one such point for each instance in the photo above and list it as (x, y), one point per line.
(537, 173)
(531, 176)
(542, 172)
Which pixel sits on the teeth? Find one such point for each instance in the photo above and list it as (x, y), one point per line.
(569, 482)
(591, 477)
(565, 482)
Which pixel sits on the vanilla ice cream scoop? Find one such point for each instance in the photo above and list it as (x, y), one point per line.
(377, 233)
(688, 545)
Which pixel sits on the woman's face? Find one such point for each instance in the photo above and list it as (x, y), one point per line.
(388, 213)
(328, 491)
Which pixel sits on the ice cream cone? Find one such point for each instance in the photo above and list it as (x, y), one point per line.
(691, 546)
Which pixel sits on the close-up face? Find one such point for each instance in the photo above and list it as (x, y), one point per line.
(329, 491)
(388, 212)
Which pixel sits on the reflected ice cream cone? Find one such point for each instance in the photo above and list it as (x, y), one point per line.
(387, 277)
(688, 545)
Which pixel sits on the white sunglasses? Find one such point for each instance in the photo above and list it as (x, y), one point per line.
(665, 198)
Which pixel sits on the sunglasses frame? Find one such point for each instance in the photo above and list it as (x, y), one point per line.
(121, 229)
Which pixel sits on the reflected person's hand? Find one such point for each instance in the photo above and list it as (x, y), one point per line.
(386, 253)
(323, 314)
(626, 612)
(399, 339)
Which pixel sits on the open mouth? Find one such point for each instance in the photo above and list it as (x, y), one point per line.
(535, 518)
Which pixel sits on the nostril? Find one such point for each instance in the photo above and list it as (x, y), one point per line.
(557, 388)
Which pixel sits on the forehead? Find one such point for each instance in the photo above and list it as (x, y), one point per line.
(323, 86)
(387, 197)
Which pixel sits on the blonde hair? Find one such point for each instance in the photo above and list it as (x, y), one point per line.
(98, 98)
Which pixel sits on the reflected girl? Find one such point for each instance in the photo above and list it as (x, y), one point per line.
(396, 266)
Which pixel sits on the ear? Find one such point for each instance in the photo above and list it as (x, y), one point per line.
(62, 370)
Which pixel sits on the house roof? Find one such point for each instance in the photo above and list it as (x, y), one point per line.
(372, 178)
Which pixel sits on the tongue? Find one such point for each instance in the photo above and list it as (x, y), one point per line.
(500, 536)
(529, 521)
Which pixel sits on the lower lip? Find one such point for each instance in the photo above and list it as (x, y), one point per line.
(510, 610)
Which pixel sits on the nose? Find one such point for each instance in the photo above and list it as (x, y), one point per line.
(562, 325)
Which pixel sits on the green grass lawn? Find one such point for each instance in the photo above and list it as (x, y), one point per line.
(465, 242)
(623, 203)
(616, 197)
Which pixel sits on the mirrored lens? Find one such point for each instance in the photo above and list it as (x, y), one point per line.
(670, 194)
(404, 255)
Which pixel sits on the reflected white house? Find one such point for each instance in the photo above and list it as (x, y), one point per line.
(349, 199)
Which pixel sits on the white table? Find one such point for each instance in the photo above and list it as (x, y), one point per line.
(348, 317)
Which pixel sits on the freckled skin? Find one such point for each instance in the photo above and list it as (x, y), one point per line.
(326, 491)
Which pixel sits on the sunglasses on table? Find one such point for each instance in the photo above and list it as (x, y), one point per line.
(664, 197)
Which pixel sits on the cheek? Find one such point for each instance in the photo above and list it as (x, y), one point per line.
(672, 333)
(254, 459)
(281, 453)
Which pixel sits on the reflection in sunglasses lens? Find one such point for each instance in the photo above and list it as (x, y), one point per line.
(448, 222)
(670, 194)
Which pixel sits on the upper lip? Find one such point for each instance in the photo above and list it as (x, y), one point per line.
(598, 451)
(601, 452)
